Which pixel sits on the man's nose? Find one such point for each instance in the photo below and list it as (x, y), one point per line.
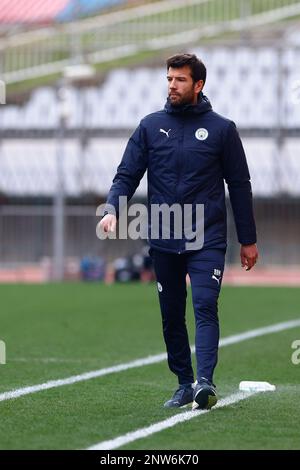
(172, 84)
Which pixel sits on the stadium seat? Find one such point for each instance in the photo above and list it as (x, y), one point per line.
(242, 84)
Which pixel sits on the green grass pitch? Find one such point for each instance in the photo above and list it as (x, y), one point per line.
(58, 330)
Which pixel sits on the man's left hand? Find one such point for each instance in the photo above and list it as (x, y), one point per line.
(249, 255)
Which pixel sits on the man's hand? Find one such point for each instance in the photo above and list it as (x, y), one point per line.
(108, 223)
(249, 255)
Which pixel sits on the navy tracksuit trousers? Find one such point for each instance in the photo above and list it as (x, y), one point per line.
(205, 269)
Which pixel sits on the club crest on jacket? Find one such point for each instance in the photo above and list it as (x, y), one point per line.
(201, 134)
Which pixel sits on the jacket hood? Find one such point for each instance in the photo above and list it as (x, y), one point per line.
(203, 105)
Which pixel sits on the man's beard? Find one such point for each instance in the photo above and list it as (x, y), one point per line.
(187, 99)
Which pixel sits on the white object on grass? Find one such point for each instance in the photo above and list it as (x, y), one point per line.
(252, 386)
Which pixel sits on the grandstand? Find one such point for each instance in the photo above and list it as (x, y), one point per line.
(141, 26)
(250, 78)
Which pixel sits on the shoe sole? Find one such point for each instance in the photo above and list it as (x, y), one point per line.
(181, 406)
(204, 400)
(185, 406)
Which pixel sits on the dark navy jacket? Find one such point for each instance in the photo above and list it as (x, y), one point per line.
(187, 164)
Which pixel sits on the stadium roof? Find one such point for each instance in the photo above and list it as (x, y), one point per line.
(30, 11)
(47, 11)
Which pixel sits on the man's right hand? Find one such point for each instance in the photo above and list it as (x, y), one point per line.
(108, 223)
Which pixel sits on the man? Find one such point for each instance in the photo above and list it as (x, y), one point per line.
(189, 150)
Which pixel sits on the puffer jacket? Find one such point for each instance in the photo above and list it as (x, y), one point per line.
(188, 152)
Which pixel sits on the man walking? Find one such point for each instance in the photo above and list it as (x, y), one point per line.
(189, 150)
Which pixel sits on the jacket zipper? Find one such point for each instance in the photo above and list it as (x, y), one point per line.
(179, 170)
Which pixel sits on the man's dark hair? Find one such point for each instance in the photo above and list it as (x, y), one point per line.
(198, 69)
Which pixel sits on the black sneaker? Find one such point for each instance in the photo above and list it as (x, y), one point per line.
(182, 397)
(205, 395)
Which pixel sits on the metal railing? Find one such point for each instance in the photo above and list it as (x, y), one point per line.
(152, 26)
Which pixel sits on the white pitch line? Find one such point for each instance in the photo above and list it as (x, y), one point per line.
(265, 330)
(167, 423)
(19, 392)
(48, 360)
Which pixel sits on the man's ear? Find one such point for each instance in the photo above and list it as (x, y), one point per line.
(199, 86)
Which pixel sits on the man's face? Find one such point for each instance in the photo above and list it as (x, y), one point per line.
(181, 88)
